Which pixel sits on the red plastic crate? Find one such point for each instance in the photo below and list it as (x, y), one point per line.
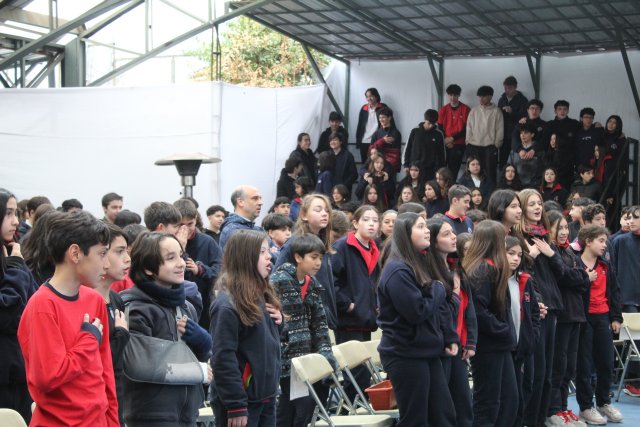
(382, 396)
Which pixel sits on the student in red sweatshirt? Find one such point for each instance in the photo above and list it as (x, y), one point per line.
(68, 363)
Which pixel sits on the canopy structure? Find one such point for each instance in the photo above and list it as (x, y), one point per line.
(437, 29)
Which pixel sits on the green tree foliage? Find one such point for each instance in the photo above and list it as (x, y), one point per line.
(255, 55)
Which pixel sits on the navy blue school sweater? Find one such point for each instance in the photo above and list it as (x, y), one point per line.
(626, 261)
(573, 284)
(486, 185)
(459, 224)
(345, 171)
(415, 321)
(324, 276)
(468, 329)
(355, 280)
(546, 270)
(208, 256)
(438, 206)
(496, 331)
(245, 360)
(529, 317)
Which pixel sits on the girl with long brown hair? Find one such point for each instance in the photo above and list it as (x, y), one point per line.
(495, 394)
(246, 341)
(547, 268)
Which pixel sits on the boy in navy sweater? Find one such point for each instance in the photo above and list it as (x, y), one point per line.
(459, 202)
(204, 256)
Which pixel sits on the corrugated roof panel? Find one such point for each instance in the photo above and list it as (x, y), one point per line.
(487, 31)
(293, 6)
(336, 16)
(464, 32)
(429, 10)
(272, 19)
(571, 12)
(575, 38)
(354, 38)
(453, 7)
(599, 36)
(546, 14)
(443, 34)
(625, 7)
(584, 24)
(375, 37)
(272, 8)
(313, 4)
(293, 18)
(470, 19)
(447, 21)
(313, 18)
(426, 23)
(333, 28)
(383, 13)
(407, 12)
(551, 39)
(402, 24)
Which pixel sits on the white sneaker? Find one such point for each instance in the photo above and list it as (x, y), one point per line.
(591, 416)
(556, 420)
(612, 414)
(573, 420)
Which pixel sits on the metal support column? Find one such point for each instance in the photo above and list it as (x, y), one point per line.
(627, 67)
(320, 77)
(437, 79)
(74, 64)
(534, 70)
(347, 94)
(440, 88)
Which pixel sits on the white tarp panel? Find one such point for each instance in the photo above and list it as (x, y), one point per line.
(85, 142)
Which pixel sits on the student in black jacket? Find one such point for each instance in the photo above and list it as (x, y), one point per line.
(514, 107)
(547, 267)
(463, 316)
(17, 285)
(355, 273)
(495, 394)
(119, 263)
(245, 319)
(155, 304)
(305, 154)
(345, 171)
(335, 125)
(603, 310)
(525, 313)
(416, 328)
(426, 146)
(573, 284)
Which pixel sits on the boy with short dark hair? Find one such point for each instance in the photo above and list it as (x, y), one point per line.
(126, 217)
(119, 263)
(534, 109)
(453, 119)
(25, 226)
(305, 323)
(71, 205)
(565, 129)
(278, 227)
(625, 222)
(604, 318)
(216, 215)
(587, 138)
(459, 203)
(286, 183)
(485, 132)
(576, 216)
(111, 205)
(426, 147)
(335, 125)
(68, 363)
(281, 205)
(514, 107)
(527, 162)
(586, 186)
(204, 257)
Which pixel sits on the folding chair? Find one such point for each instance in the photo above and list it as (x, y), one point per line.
(374, 358)
(11, 418)
(352, 354)
(314, 367)
(629, 333)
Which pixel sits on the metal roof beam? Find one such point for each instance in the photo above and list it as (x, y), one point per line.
(627, 67)
(54, 35)
(185, 36)
(100, 25)
(320, 77)
(16, 14)
(46, 71)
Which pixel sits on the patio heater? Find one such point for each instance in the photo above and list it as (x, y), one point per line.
(188, 165)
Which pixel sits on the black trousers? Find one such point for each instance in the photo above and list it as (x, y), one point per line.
(455, 155)
(360, 373)
(488, 157)
(293, 413)
(518, 365)
(421, 391)
(564, 365)
(537, 375)
(495, 391)
(364, 155)
(596, 346)
(456, 373)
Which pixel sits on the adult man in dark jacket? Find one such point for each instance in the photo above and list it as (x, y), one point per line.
(247, 203)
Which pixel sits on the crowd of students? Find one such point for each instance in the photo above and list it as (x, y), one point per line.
(517, 280)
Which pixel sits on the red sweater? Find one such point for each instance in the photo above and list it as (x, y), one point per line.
(69, 374)
(454, 122)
